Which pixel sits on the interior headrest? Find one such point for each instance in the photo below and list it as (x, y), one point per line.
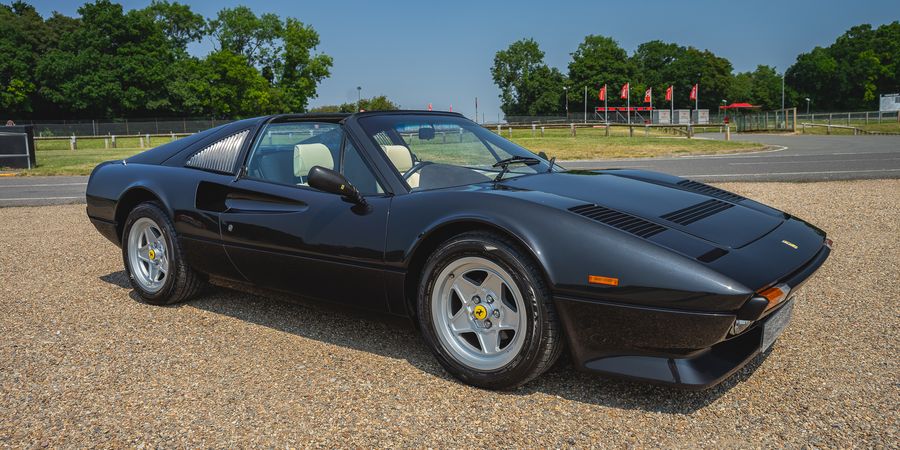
(400, 156)
(308, 155)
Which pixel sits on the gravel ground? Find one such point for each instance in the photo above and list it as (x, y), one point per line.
(83, 363)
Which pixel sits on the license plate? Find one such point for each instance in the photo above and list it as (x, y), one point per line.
(776, 324)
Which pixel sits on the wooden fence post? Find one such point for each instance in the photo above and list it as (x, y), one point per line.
(73, 143)
(142, 141)
(533, 129)
(113, 139)
(572, 126)
(542, 131)
(510, 131)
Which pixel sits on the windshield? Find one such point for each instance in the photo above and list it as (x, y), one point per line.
(434, 151)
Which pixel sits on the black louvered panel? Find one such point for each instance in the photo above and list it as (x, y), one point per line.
(706, 189)
(625, 222)
(691, 214)
(219, 156)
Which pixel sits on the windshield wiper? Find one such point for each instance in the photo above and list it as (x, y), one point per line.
(550, 169)
(505, 163)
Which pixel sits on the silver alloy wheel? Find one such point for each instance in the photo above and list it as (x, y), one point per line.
(478, 313)
(148, 255)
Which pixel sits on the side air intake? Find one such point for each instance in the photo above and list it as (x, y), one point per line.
(219, 156)
(700, 211)
(706, 189)
(625, 222)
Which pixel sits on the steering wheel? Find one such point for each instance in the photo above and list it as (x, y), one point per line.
(417, 167)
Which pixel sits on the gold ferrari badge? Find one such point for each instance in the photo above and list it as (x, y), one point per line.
(789, 244)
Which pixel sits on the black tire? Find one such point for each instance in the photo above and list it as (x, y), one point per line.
(181, 282)
(543, 338)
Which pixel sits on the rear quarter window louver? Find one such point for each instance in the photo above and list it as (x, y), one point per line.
(706, 189)
(691, 214)
(625, 222)
(219, 156)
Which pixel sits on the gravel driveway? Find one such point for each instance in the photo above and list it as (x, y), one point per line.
(83, 363)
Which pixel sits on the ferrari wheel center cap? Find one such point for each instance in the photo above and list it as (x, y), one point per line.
(152, 254)
(480, 312)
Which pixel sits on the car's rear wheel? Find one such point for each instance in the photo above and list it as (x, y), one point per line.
(487, 313)
(154, 260)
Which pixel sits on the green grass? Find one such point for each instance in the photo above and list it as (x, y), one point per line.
(594, 144)
(55, 158)
(78, 162)
(885, 127)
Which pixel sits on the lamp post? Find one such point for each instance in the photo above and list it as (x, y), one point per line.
(724, 103)
(807, 106)
(566, 93)
(358, 97)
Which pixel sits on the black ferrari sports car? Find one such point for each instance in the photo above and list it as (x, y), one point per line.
(500, 256)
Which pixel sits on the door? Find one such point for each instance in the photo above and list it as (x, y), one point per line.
(282, 234)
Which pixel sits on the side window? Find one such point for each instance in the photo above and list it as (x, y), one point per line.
(285, 152)
(357, 172)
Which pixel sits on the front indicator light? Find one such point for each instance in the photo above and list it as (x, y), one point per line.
(608, 281)
(776, 294)
(740, 326)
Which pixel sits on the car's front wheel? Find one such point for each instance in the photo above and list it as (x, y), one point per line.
(487, 313)
(153, 257)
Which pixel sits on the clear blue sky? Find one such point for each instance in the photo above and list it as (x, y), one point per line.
(440, 52)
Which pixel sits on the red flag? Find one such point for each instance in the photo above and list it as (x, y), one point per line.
(694, 92)
(648, 95)
(669, 94)
(602, 94)
(625, 90)
(429, 106)
(451, 108)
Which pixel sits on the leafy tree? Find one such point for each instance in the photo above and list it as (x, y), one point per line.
(281, 50)
(378, 103)
(181, 25)
(241, 31)
(112, 63)
(527, 85)
(599, 60)
(850, 73)
(22, 40)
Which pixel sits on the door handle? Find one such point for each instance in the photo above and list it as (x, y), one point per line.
(266, 206)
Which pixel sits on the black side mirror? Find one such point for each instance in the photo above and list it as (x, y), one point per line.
(333, 182)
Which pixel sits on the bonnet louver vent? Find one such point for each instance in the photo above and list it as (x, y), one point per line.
(625, 222)
(691, 214)
(706, 189)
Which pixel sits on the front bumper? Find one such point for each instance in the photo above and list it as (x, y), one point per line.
(686, 367)
(688, 349)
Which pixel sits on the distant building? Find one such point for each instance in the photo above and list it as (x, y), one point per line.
(890, 102)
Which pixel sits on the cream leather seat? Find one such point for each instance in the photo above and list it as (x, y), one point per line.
(401, 158)
(308, 155)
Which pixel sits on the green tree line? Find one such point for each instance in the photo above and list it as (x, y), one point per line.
(111, 63)
(847, 75)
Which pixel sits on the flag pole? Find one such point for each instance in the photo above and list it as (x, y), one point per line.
(651, 105)
(672, 104)
(585, 104)
(476, 109)
(697, 102)
(628, 101)
(606, 105)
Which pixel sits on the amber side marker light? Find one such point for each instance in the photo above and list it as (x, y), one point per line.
(776, 294)
(608, 281)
